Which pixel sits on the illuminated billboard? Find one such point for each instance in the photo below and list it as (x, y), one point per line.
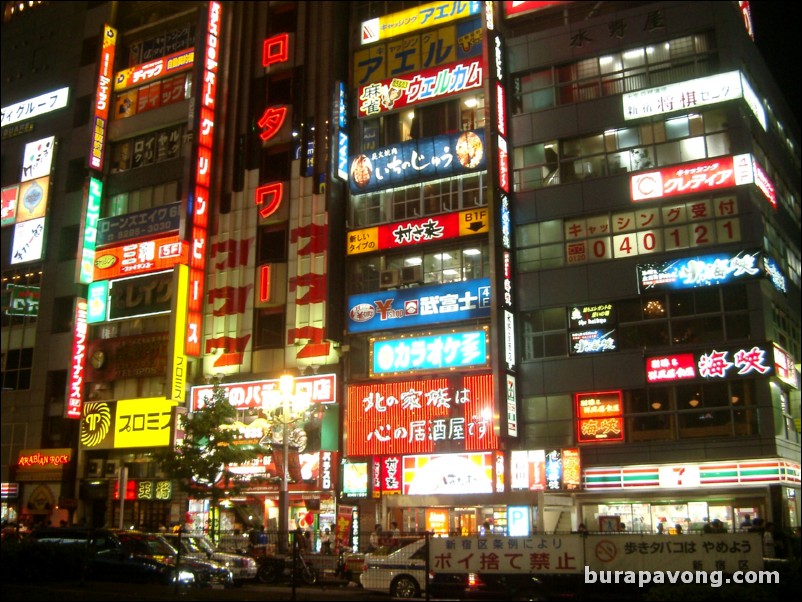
(253, 395)
(528, 469)
(153, 70)
(692, 94)
(418, 51)
(427, 353)
(415, 161)
(139, 224)
(409, 233)
(448, 474)
(76, 375)
(421, 416)
(140, 296)
(138, 257)
(127, 423)
(103, 98)
(704, 270)
(704, 176)
(28, 244)
(33, 107)
(419, 306)
(413, 19)
(599, 417)
(724, 363)
(435, 83)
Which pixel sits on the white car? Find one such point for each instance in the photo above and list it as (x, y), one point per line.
(242, 567)
(402, 573)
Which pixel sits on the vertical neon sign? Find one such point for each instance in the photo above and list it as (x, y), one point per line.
(503, 286)
(103, 97)
(75, 383)
(203, 179)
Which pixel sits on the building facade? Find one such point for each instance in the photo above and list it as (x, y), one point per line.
(530, 264)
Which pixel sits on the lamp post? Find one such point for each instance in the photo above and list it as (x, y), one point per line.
(284, 408)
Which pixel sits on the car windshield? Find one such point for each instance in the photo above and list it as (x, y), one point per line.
(205, 544)
(150, 545)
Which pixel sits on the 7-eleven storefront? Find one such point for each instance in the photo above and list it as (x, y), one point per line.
(688, 494)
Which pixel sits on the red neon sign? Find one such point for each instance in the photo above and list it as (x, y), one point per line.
(138, 258)
(276, 49)
(268, 197)
(411, 417)
(75, 388)
(670, 367)
(271, 121)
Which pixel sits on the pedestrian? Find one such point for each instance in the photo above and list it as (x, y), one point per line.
(325, 541)
(375, 541)
(486, 528)
(747, 522)
(660, 529)
(582, 530)
(769, 550)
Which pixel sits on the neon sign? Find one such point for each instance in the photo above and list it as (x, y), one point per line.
(75, 385)
(436, 352)
(429, 84)
(693, 272)
(712, 364)
(421, 416)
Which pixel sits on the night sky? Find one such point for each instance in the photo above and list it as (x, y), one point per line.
(777, 36)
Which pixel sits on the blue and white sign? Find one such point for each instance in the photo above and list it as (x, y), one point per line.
(419, 306)
(694, 272)
(418, 161)
(436, 352)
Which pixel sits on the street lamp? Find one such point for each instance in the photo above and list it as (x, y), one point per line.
(284, 408)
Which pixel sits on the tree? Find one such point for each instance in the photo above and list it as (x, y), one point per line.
(201, 463)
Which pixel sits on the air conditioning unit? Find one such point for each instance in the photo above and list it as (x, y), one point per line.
(412, 274)
(389, 278)
(95, 468)
(110, 470)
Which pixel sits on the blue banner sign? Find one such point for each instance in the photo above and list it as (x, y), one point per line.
(694, 272)
(421, 160)
(436, 352)
(419, 306)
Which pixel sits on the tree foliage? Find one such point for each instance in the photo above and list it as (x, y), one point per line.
(200, 464)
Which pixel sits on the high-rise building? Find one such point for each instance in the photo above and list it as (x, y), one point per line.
(533, 264)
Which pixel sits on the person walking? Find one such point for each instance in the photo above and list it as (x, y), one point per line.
(325, 542)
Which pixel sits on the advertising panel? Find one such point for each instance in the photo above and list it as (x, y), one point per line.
(435, 83)
(599, 417)
(103, 97)
(421, 160)
(22, 300)
(419, 306)
(705, 270)
(693, 178)
(421, 416)
(429, 353)
(127, 423)
(33, 107)
(88, 236)
(9, 205)
(37, 159)
(687, 95)
(413, 19)
(135, 356)
(140, 296)
(28, 243)
(76, 376)
(448, 474)
(414, 232)
(320, 388)
(155, 69)
(33, 197)
(138, 257)
(431, 48)
(139, 224)
(713, 364)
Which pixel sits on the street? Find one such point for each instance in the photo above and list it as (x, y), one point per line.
(103, 591)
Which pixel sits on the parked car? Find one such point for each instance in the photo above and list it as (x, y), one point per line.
(107, 558)
(207, 573)
(402, 574)
(242, 566)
